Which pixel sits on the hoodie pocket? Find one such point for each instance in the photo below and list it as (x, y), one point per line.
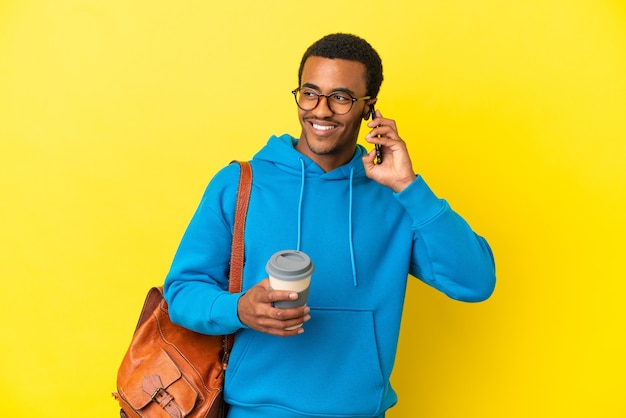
(332, 369)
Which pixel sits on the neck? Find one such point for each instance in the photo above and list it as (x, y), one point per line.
(327, 156)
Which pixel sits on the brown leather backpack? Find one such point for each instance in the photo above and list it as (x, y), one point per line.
(170, 371)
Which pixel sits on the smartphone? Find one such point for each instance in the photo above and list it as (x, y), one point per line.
(379, 154)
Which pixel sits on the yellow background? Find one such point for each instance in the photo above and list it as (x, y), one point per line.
(115, 114)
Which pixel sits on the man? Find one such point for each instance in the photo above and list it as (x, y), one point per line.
(365, 226)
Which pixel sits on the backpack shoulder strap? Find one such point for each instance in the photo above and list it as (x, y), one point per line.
(241, 211)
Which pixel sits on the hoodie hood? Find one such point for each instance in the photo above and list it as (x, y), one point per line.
(280, 151)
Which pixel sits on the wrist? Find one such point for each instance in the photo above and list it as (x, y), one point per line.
(399, 185)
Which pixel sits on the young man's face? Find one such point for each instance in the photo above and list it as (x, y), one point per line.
(327, 138)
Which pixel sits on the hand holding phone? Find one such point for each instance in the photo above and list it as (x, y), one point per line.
(379, 154)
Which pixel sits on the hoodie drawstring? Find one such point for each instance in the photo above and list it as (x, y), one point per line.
(352, 260)
(300, 205)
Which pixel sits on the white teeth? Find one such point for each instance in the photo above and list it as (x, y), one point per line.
(323, 127)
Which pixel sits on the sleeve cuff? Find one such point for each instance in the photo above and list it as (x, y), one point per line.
(224, 312)
(420, 201)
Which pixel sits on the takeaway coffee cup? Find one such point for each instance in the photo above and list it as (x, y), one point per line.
(290, 270)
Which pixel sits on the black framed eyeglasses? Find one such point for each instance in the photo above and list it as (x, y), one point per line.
(339, 102)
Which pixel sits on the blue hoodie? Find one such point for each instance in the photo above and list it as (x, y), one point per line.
(364, 240)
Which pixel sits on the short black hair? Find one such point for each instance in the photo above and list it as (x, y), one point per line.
(348, 47)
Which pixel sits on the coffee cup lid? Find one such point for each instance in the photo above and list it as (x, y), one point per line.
(289, 265)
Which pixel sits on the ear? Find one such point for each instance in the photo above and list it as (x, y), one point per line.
(368, 109)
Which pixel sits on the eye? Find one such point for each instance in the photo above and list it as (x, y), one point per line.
(341, 97)
(308, 94)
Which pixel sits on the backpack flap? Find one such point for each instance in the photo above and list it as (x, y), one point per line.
(159, 383)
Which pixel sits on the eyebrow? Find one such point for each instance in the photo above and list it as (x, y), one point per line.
(335, 90)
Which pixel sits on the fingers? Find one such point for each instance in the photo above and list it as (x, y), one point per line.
(396, 170)
(283, 322)
(382, 128)
(264, 293)
(384, 132)
(255, 309)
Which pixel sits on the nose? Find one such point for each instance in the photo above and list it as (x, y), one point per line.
(322, 110)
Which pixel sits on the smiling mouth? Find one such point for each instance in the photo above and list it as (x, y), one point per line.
(322, 127)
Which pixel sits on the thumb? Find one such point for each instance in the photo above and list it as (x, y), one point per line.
(265, 283)
(368, 159)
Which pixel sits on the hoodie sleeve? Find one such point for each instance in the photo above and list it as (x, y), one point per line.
(196, 287)
(447, 254)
